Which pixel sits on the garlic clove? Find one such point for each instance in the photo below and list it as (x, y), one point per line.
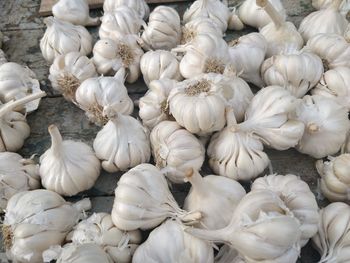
(140, 6)
(234, 22)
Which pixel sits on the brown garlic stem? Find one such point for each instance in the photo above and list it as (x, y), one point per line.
(313, 128)
(196, 181)
(56, 139)
(272, 12)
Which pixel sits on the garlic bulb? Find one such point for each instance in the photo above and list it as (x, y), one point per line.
(332, 239)
(334, 174)
(297, 196)
(99, 229)
(322, 4)
(36, 220)
(333, 49)
(110, 56)
(159, 64)
(75, 12)
(335, 83)
(247, 54)
(122, 143)
(140, 6)
(326, 125)
(279, 34)
(120, 22)
(163, 30)
(143, 200)
(17, 82)
(215, 197)
(176, 150)
(3, 59)
(97, 95)
(16, 175)
(170, 243)
(234, 22)
(68, 167)
(253, 15)
(297, 71)
(68, 71)
(13, 125)
(62, 37)
(328, 20)
(154, 104)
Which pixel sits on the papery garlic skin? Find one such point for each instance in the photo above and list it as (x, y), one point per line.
(159, 64)
(322, 4)
(75, 12)
(176, 150)
(143, 200)
(68, 71)
(326, 126)
(234, 22)
(36, 220)
(62, 37)
(163, 30)
(297, 72)
(140, 6)
(184, 247)
(100, 94)
(122, 143)
(227, 254)
(16, 175)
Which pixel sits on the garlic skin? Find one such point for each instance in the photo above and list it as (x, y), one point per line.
(176, 150)
(227, 254)
(36, 220)
(253, 15)
(3, 59)
(16, 175)
(97, 95)
(110, 56)
(297, 71)
(17, 82)
(154, 104)
(323, 4)
(184, 247)
(75, 12)
(68, 167)
(62, 37)
(247, 55)
(159, 64)
(234, 22)
(332, 239)
(143, 200)
(326, 126)
(122, 143)
(215, 197)
(297, 196)
(140, 6)
(68, 71)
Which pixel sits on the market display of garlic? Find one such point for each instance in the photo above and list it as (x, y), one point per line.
(143, 200)
(36, 220)
(184, 247)
(140, 6)
(97, 95)
(75, 12)
(326, 126)
(16, 175)
(68, 71)
(63, 37)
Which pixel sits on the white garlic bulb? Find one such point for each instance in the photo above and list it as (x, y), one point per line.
(140, 6)
(62, 37)
(143, 200)
(17, 82)
(75, 12)
(170, 243)
(215, 197)
(247, 54)
(97, 95)
(332, 239)
(154, 104)
(122, 143)
(159, 64)
(163, 30)
(68, 71)
(110, 56)
(234, 22)
(326, 126)
(36, 220)
(322, 4)
(16, 175)
(296, 71)
(176, 150)
(253, 15)
(68, 167)
(3, 59)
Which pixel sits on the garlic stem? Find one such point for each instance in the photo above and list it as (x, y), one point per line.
(120, 75)
(230, 118)
(196, 181)
(211, 235)
(190, 218)
(56, 139)
(93, 21)
(272, 12)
